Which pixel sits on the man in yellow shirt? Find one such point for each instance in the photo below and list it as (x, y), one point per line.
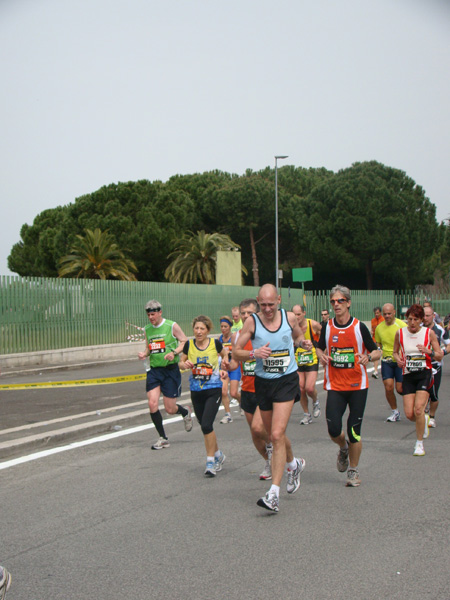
(390, 371)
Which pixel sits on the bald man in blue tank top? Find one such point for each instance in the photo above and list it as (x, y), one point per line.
(273, 332)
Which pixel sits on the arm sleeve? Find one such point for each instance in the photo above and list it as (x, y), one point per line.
(367, 338)
(321, 344)
(219, 346)
(186, 347)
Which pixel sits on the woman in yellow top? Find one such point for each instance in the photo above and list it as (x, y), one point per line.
(201, 356)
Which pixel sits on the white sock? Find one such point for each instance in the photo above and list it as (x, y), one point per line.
(217, 454)
(292, 465)
(275, 489)
(210, 459)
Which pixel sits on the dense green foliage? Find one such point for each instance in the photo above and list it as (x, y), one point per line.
(366, 226)
(96, 256)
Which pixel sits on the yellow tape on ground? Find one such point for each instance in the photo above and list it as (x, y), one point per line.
(52, 384)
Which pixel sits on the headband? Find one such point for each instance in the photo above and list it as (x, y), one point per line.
(226, 321)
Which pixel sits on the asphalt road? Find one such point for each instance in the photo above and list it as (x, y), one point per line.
(115, 519)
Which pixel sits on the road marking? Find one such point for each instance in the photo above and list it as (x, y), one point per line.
(49, 384)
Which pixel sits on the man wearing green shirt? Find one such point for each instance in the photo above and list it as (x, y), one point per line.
(164, 340)
(390, 371)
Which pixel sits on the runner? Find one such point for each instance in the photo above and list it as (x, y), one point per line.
(273, 332)
(325, 315)
(414, 349)
(165, 340)
(233, 377)
(249, 403)
(390, 371)
(378, 318)
(201, 356)
(345, 347)
(308, 365)
(237, 321)
(428, 321)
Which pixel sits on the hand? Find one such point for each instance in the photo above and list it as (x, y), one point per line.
(325, 359)
(170, 355)
(263, 352)
(223, 374)
(225, 364)
(188, 364)
(363, 358)
(306, 344)
(423, 349)
(142, 355)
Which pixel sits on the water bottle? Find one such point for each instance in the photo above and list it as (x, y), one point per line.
(147, 363)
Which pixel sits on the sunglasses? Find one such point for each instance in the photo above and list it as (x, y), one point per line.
(338, 301)
(150, 310)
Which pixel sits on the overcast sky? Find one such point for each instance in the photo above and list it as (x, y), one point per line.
(100, 91)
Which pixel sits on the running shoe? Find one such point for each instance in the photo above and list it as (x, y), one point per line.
(226, 419)
(160, 444)
(342, 460)
(269, 501)
(375, 376)
(218, 461)
(432, 422)
(234, 402)
(316, 409)
(210, 470)
(426, 430)
(353, 479)
(269, 450)
(293, 477)
(306, 419)
(393, 417)
(5, 582)
(188, 423)
(418, 449)
(267, 472)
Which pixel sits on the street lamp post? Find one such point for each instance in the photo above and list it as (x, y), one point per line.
(277, 279)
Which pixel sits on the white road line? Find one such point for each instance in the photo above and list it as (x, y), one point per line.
(101, 438)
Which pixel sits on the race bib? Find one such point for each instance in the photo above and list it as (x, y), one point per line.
(415, 363)
(157, 346)
(248, 368)
(304, 358)
(202, 372)
(277, 362)
(342, 358)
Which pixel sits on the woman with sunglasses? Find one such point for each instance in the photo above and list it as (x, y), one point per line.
(414, 349)
(201, 356)
(344, 349)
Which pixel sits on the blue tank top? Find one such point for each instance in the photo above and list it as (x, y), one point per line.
(282, 359)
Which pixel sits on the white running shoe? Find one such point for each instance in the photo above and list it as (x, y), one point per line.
(226, 419)
(210, 470)
(432, 422)
(267, 472)
(316, 409)
(306, 419)
(393, 417)
(293, 477)
(234, 402)
(188, 422)
(418, 449)
(353, 479)
(5, 581)
(426, 430)
(342, 460)
(269, 501)
(160, 444)
(218, 461)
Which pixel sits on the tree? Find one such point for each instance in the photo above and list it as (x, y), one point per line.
(194, 259)
(372, 217)
(96, 256)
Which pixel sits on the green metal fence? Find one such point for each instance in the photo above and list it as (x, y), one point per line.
(49, 313)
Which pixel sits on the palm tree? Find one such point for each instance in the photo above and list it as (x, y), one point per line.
(96, 256)
(194, 260)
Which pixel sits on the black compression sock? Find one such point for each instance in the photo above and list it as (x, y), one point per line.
(182, 411)
(158, 423)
